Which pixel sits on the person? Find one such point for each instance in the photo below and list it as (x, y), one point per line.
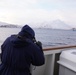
(19, 52)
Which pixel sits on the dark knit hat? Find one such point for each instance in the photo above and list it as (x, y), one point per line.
(27, 30)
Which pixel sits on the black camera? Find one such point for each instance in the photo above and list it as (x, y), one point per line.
(37, 43)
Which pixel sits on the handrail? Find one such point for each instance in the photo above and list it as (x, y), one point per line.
(59, 47)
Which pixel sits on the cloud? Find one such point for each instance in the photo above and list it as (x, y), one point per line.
(25, 11)
(38, 15)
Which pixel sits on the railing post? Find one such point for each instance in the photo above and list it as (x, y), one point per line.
(49, 68)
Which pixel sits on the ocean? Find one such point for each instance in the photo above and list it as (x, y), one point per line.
(48, 37)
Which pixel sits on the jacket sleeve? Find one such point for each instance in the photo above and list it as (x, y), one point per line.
(38, 56)
(3, 46)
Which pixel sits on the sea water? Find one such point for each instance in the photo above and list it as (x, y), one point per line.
(48, 37)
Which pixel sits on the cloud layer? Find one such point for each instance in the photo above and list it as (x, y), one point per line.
(26, 11)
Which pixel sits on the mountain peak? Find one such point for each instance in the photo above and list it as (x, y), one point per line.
(55, 24)
(7, 25)
(58, 24)
(57, 21)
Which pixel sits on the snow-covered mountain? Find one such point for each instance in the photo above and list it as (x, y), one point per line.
(3, 24)
(56, 24)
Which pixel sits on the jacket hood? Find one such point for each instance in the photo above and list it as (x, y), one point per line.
(27, 31)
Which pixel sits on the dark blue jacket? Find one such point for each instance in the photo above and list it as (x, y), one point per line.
(18, 54)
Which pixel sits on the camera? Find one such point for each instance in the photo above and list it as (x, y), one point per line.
(37, 43)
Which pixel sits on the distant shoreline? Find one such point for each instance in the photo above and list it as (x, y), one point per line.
(9, 26)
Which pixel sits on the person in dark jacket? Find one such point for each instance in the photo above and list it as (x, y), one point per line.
(19, 52)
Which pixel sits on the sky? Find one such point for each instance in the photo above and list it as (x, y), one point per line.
(29, 11)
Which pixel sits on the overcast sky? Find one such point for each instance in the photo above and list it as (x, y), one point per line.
(28, 11)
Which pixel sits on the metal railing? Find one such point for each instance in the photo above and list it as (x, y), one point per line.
(51, 57)
(59, 47)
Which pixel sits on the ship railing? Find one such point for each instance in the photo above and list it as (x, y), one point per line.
(51, 67)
